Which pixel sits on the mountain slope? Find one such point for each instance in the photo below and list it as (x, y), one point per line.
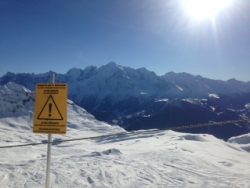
(16, 113)
(197, 86)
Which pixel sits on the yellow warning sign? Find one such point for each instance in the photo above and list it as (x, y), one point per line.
(51, 109)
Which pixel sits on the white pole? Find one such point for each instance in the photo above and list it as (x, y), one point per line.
(48, 162)
(49, 148)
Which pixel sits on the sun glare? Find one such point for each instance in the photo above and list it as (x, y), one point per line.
(205, 9)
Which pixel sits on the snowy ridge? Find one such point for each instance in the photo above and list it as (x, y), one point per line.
(120, 82)
(15, 100)
(243, 141)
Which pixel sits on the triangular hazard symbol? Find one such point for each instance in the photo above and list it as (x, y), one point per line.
(50, 111)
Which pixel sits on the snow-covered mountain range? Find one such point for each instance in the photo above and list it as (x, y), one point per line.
(140, 99)
(150, 159)
(113, 79)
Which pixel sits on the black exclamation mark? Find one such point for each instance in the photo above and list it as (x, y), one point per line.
(50, 108)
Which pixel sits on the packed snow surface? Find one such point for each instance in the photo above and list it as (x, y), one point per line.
(140, 159)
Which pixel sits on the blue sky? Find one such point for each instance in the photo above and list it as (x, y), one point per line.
(38, 36)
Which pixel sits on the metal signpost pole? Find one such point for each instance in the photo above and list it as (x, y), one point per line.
(49, 149)
(48, 162)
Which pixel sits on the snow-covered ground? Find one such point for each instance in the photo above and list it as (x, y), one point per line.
(142, 159)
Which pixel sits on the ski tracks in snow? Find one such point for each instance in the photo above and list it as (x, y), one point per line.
(151, 159)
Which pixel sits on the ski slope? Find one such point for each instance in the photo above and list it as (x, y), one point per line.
(139, 159)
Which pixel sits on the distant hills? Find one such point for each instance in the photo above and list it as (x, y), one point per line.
(140, 99)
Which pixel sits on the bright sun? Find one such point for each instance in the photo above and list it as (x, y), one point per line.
(205, 9)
